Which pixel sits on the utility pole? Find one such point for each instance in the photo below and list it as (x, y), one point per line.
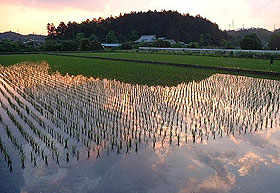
(232, 24)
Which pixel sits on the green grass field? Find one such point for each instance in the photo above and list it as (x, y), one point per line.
(130, 72)
(241, 63)
(137, 73)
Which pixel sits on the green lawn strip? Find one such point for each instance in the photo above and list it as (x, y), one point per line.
(241, 63)
(130, 72)
(136, 73)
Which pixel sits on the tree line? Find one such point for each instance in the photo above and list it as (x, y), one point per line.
(128, 27)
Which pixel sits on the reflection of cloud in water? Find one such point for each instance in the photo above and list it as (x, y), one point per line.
(219, 179)
(275, 159)
(51, 178)
(250, 163)
(217, 183)
(222, 166)
(161, 154)
(111, 116)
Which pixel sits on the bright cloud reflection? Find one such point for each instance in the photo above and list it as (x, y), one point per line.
(166, 127)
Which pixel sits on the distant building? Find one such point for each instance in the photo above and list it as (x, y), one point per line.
(146, 38)
(184, 44)
(111, 45)
(171, 41)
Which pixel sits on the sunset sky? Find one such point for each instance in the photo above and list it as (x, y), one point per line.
(32, 16)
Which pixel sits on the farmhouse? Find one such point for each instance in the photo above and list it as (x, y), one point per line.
(146, 38)
(152, 38)
(171, 41)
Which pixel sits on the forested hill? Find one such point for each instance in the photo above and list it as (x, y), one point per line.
(18, 37)
(128, 27)
(263, 34)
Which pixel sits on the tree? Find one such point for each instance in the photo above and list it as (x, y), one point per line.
(9, 46)
(127, 46)
(51, 30)
(194, 45)
(251, 42)
(60, 30)
(122, 38)
(208, 39)
(94, 38)
(80, 37)
(133, 35)
(227, 44)
(69, 45)
(85, 44)
(128, 27)
(202, 40)
(50, 46)
(96, 46)
(162, 44)
(274, 42)
(111, 37)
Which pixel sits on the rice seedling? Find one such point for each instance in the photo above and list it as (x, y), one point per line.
(55, 113)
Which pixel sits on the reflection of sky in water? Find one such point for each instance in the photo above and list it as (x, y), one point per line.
(246, 162)
(223, 165)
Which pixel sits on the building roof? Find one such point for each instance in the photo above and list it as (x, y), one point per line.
(171, 41)
(111, 45)
(147, 38)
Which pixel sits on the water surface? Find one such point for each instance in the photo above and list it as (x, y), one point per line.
(78, 134)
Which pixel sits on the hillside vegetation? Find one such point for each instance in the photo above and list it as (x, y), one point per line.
(128, 27)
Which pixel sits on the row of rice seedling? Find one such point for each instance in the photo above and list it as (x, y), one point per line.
(108, 115)
(39, 133)
(30, 121)
(59, 137)
(3, 149)
(65, 140)
(22, 129)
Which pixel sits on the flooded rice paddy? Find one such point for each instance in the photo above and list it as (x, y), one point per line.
(78, 134)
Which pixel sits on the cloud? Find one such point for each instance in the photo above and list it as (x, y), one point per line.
(57, 4)
(106, 7)
(251, 13)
